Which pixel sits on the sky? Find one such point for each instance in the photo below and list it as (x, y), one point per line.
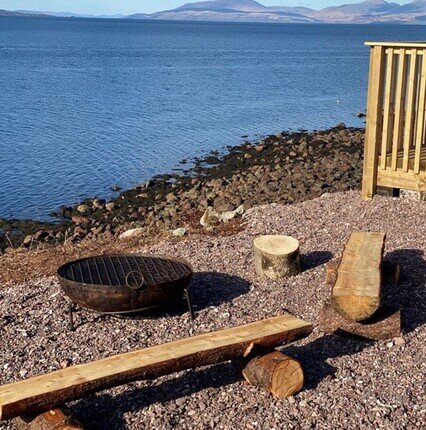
(97, 7)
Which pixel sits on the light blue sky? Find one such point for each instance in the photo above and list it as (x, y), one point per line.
(132, 6)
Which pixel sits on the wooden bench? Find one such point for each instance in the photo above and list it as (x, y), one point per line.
(356, 280)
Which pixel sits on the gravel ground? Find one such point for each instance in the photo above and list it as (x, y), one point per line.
(350, 383)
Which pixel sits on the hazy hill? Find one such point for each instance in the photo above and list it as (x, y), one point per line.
(365, 12)
(231, 10)
(369, 11)
(372, 11)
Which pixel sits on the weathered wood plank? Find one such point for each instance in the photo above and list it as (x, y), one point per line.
(48, 391)
(356, 292)
(400, 179)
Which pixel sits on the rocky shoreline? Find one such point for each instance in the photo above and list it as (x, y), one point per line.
(283, 168)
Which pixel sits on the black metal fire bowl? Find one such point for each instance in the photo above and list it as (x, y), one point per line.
(125, 283)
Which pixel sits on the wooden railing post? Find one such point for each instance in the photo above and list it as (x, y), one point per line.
(374, 121)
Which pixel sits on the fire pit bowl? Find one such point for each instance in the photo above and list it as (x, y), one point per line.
(125, 283)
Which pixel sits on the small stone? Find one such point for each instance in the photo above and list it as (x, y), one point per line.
(247, 156)
(83, 209)
(23, 373)
(210, 218)
(399, 341)
(179, 232)
(227, 216)
(41, 235)
(110, 206)
(259, 148)
(28, 240)
(134, 232)
(389, 344)
(80, 220)
(115, 188)
(240, 210)
(291, 400)
(303, 403)
(65, 363)
(181, 401)
(170, 197)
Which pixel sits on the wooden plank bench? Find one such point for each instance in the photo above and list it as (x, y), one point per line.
(50, 390)
(356, 292)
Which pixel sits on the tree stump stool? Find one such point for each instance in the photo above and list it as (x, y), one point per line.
(276, 257)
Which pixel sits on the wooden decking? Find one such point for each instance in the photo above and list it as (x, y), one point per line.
(399, 160)
(396, 118)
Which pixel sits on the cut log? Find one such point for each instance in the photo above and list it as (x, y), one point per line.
(48, 391)
(390, 272)
(385, 324)
(57, 419)
(276, 257)
(277, 373)
(356, 292)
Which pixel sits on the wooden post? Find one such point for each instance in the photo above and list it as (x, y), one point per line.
(374, 121)
(277, 373)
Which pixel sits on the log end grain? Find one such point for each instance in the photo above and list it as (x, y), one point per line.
(275, 372)
(356, 308)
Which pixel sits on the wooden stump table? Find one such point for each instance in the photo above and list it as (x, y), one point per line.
(276, 257)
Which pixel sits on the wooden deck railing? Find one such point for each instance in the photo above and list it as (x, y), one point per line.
(395, 148)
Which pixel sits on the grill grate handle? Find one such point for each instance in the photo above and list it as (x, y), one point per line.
(135, 280)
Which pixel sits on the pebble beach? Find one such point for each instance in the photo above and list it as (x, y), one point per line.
(350, 383)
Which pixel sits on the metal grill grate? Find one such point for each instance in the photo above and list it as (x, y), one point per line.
(114, 270)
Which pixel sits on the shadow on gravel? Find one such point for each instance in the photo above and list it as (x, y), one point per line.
(410, 294)
(106, 411)
(206, 289)
(314, 259)
(314, 355)
(213, 288)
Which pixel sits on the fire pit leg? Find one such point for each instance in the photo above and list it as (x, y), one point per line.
(71, 308)
(188, 300)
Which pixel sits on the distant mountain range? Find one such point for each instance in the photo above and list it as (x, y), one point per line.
(366, 12)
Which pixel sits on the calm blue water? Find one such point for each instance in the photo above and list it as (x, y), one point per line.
(86, 104)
